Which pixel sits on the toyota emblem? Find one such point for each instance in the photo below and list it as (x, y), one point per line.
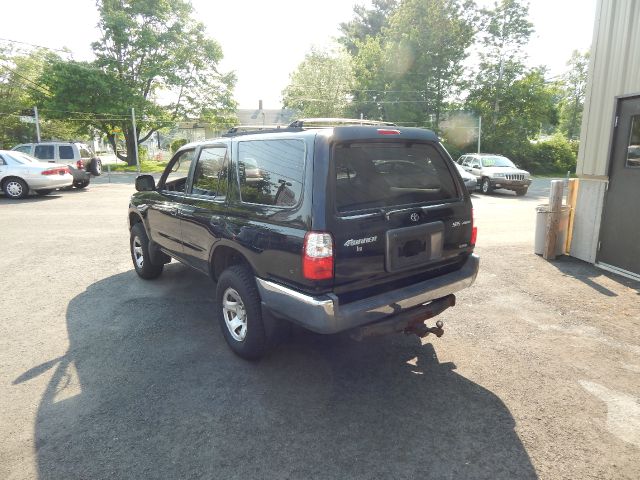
(414, 217)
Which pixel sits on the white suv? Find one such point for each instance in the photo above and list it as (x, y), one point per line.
(76, 155)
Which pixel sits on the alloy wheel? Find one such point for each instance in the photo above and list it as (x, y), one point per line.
(235, 315)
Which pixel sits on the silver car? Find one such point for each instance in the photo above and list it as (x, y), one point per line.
(495, 171)
(469, 180)
(20, 173)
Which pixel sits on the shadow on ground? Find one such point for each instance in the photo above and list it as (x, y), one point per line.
(149, 389)
(590, 275)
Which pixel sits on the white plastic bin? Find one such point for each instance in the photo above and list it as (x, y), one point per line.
(542, 214)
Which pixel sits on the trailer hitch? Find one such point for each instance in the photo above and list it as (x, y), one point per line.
(421, 330)
(410, 322)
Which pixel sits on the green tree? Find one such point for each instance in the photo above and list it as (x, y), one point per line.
(573, 85)
(424, 49)
(321, 85)
(505, 31)
(367, 22)
(153, 56)
(19, 90)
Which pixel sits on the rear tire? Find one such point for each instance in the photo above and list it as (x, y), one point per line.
(96, 167)
(239, 313)
(15, 188)
(139, 244)
(45, 191)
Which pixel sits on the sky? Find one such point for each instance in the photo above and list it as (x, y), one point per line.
(263, 41)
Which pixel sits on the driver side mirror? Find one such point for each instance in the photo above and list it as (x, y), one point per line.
(145, 183)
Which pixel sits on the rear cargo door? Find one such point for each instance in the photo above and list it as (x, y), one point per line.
(400, 210)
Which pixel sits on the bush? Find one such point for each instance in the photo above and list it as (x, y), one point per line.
(176, 144)
(556, 155)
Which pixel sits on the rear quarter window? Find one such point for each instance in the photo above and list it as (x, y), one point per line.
(271, 172)
(65, 152)
(44, 152)
(373, 175)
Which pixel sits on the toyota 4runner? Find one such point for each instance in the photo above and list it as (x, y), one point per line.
(332, 226)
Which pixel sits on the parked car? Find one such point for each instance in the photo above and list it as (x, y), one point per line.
(20, 173)
(78, 156)
(496, 171)
(348, 227)
(469, 180)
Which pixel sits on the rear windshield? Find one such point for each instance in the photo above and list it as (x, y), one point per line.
(373, 175)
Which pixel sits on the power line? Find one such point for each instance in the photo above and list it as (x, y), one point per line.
(33, 45)
(40, 88)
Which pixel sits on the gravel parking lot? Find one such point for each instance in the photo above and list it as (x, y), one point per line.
(104, 375)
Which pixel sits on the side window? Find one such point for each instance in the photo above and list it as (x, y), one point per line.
(174, 178)
(44, 152)
(84, 153)
(211, 176)
(462, 160)
(24, 149)
(65, 152)
(476, 163)
(271, 172)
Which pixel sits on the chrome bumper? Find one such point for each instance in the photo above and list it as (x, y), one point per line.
(324, 314)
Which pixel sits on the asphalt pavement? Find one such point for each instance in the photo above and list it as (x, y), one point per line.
(105, 375)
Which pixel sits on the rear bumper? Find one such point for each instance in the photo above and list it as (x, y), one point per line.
(324, 314)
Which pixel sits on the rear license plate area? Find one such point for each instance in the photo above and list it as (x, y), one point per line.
(413, 246)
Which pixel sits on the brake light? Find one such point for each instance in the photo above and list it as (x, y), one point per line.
(80, 165)
(388, 131)
(474, 231)
(56, 171)
(317, 256)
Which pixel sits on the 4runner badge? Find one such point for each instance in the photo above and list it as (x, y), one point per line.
(360, 241)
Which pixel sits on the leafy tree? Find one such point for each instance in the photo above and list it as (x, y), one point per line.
(321, 85)
(505, 31)
(19, 88)
(148, 50)
(367, 22)
(424, 49)
(573, 85)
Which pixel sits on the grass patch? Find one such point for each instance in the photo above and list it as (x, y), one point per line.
(147, 166)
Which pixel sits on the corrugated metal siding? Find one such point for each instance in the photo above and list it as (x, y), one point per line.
(614, 70)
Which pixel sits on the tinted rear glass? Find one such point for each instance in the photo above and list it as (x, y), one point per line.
(65, 152)
(373, 175)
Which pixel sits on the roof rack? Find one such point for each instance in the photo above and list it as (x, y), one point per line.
(253, 129)
(332, 122)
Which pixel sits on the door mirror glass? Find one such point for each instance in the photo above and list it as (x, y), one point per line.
(145, 183)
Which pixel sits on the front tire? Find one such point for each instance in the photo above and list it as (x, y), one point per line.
(96, 167)
(239, 313)
(16, 188)
(139, 243)
(485, 186)
(521, 192)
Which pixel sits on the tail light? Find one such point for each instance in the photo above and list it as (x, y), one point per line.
(474, 231)
(80, 165)
(388, 131)
(56, 171)
(317, 256)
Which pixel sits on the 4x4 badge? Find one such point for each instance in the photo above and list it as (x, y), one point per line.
(414, 217)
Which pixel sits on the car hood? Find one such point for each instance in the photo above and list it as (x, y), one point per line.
(504, 170)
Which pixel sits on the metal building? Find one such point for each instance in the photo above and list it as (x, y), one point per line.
(606, 229)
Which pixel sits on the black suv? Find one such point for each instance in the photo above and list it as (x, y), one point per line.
(355, 227)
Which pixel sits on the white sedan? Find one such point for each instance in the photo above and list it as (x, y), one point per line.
(20, 173)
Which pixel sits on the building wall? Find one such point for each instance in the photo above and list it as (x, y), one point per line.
(614, 70)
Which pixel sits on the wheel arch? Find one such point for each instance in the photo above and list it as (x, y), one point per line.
(12, 177)
(224, 256)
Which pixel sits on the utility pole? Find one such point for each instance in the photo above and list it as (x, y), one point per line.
(135, 138)
(479, 132)
(37, 119)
